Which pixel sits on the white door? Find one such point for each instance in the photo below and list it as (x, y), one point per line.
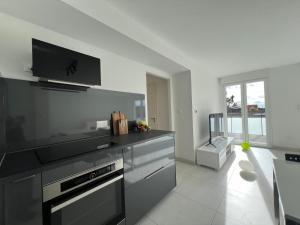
(234, 112)
(158, 103)
(246, 118)
(256, 113)
(152, 105)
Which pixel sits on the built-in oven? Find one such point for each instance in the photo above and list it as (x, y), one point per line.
(93, 197)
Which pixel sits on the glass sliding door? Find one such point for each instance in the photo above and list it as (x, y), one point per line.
(246, 112)
(256, 113)
(234, 113)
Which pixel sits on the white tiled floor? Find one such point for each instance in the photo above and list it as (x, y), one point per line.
(207, 197)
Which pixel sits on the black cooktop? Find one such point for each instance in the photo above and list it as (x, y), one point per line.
(71, 149)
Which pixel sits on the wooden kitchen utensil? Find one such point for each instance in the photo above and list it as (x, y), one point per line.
(123, 126)
(119, 123)
(115, 117)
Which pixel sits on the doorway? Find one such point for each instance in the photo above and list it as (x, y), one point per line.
(158, 102)
(246, 117)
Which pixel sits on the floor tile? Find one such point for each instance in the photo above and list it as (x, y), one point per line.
(262, 186)
(256, 189)
(206, 193)
(219, 177)
(146, 221)
(183, 171)
(222, 219)
(243, 207)
(178, 210)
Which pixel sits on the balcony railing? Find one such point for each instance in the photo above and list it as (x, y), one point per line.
(256, 124)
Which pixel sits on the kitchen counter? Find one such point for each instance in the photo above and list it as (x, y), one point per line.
(31, 160)
(135, 137)
(287, 178)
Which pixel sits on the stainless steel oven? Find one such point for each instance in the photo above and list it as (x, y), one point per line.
(93, 197)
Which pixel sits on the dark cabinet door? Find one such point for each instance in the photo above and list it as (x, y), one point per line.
(21, 199)
(143, 195)
(144, 158)
(101, 204)
(150, 174)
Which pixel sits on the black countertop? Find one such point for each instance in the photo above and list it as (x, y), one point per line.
(32, 160)
(135, 137)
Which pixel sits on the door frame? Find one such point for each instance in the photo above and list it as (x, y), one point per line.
(169, 99)
(244, 112)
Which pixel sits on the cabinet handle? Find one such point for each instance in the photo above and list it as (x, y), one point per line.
(153, 173)
(2, 159)
(24, 178)
(163, 139)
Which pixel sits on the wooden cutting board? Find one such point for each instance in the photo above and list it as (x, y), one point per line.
(123, 126)
(115, 117)
(119, 123)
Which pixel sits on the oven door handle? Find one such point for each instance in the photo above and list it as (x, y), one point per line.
(85, 194)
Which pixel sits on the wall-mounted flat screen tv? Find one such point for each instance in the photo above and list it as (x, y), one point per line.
(52, 62)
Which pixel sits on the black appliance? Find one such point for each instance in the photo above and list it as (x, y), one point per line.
(292, 157)
(92, 197)
(35, 114)
(216, 126)
(53, 62)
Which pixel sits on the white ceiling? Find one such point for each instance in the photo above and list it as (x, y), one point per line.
(223, 37)
(226, 36)
(65, 19)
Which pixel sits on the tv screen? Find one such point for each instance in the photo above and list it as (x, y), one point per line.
(56, 63)
(216, 125)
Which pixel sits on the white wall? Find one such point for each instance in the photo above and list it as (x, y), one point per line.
(183, 118)
(205, 93)
(283, 93)
(118, 73)
(196, 95)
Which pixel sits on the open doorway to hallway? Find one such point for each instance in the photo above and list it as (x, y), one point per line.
(158, 100)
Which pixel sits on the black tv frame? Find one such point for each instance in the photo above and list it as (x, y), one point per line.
(52, 62)
(221, 115)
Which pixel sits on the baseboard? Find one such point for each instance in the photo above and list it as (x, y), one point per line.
(281, 148)
(185, 160)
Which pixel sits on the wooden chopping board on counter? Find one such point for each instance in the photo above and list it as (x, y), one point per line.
(119, 123)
